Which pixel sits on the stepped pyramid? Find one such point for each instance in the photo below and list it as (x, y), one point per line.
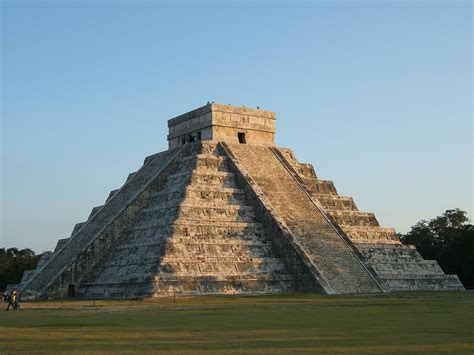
(222, 211)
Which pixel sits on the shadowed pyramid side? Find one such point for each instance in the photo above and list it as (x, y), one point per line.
(85, 248)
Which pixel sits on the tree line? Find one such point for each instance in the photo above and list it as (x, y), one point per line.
(449, 239)
(12, 264)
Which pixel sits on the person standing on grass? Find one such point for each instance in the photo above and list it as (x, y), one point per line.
(10, 301)
(15, 300)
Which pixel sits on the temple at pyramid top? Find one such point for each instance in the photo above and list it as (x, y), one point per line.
(223, 123)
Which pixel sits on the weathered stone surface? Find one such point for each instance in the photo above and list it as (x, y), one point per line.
(222, 123)
(197, 235)
(397, 267)
(328, 252)
(225, 211)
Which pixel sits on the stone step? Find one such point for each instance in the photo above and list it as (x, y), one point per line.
(44, 259)
(423, 285)
(175, 264)
(130, 176)
(60, 244)
(201, 227)
(206, 208)
(209, 148)
(220, 249)
(196, 245)
(149, 158)
(410, 275)
(207, 204)
(77, 227)
(399, 246)
(183, 285)
(204, 156)
(387, 258)
(408, 265)
(144, 268)
(304, 170)
(223, 213)
(196, 269)
(111, 194)
(191, 204)
(209, 260)
(165, 223)
(203, 162)
(27, 275)
(199, 193)
(379, 257)
(94, 211)
(262, 277)
(247, 239)
(317, 186)
(389, 250)
(187, 278)
(371, 234)
(336, 202)
(202, 177)
(353, 218)
(217, 227)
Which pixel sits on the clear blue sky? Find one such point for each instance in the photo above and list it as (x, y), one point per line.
(376, 95)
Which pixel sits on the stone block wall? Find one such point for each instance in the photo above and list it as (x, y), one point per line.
(86, 246)
(398, 267)
(329, 254)
(197, 235)
(222, 123)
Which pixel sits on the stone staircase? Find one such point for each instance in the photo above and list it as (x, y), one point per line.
(214, 218)
(399, 267)
(78, 254)
(197, 236)
(330, 254)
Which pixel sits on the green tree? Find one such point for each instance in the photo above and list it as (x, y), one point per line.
(449, 239)
(12, 264)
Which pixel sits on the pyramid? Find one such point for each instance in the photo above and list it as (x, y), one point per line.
(225, 211)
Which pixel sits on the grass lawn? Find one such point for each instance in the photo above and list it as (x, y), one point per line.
(416, 322)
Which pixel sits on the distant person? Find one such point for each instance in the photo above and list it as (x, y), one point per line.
(9, 299)
(15, 300)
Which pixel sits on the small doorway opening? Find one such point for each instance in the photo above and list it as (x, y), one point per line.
(241, 136)
(71, 290)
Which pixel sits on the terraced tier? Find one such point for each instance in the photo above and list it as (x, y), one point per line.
(198, 235)
(398, 267)
(84, 248)
(329, 254)
(403, 268)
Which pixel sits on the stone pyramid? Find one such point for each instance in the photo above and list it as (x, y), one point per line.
(222, 211)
